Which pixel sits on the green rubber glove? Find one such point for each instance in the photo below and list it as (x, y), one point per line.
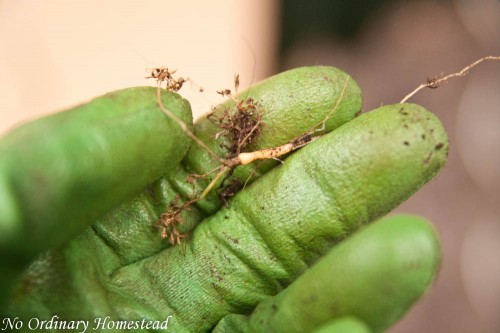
(80, 192)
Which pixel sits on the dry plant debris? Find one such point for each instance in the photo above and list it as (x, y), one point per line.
(241, 126)
(435, 82)
(171, 218)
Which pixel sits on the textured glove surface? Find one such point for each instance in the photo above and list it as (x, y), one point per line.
(238, 256)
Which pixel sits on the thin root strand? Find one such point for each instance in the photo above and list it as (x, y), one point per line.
(435, 82)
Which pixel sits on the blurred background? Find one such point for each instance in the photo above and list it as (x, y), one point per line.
(55, 54)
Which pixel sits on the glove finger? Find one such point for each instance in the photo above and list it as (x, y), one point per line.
(344, 325)
(287, 219)
(59, 173)
(239, 324)
(375, 276)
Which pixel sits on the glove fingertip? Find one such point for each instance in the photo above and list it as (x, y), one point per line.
(344, 325)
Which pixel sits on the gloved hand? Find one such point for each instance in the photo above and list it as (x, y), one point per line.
(80, 192)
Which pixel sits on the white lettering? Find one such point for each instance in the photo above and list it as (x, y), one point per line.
(108, 324)
(85, 325)
(100, 323)
(50, 324)
(166, 323)
(121, 324)
(12, 323)
(37, 323)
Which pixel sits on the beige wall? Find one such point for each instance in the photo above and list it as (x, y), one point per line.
(58, 53)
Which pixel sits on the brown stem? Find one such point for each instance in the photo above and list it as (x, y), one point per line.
(184, 127)
(434, 83)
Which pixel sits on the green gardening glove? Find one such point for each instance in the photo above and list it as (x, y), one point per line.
(80, 192)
